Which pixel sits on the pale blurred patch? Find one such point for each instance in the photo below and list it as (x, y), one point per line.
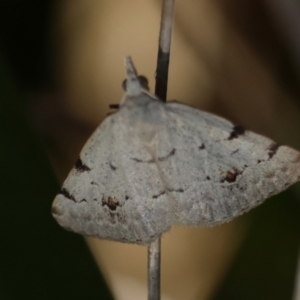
(95, 36)
(194, 262)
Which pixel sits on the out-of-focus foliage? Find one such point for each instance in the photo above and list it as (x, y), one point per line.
(251, 78)
(38, 260)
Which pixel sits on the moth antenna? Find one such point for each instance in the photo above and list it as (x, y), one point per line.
(133, 85)
(130, 69)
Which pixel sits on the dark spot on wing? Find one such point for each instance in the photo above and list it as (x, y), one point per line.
(242, 188)
(80, 166)
(126, 197)
(273, 149)
(150, 161)
(94, 183)
(158, 195)
(166, 157)
(231, 176)
(201, 147)
(258, 161)
(207, 178)
(236, 132)
(82, 200)
(110, 203)
(235, 151)
(67, 194)
(176, 191)
(112, 167)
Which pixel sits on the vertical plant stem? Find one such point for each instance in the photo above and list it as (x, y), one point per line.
(154, 270)
(163, 56)
(162, 70)
(296, 295)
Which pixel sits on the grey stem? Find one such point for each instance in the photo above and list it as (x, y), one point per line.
(163, 56)
(162, 70)
(154, 270)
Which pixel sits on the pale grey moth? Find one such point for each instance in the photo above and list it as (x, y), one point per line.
(152, 165)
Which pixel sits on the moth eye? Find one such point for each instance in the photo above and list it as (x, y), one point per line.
(143, 81)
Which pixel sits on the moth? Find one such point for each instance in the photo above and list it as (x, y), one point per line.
(152, 164)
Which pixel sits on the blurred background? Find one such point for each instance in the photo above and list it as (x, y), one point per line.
(61, 65)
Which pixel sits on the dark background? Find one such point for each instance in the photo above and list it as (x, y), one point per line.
(38, 260)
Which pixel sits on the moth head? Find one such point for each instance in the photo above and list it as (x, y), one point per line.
(134, 84)
(143, 81)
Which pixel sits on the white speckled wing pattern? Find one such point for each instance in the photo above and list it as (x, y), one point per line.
(218, 170)
(109, 194)
(152, 165)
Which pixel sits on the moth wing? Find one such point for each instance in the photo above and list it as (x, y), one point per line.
(216, 171)
(109, 194)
